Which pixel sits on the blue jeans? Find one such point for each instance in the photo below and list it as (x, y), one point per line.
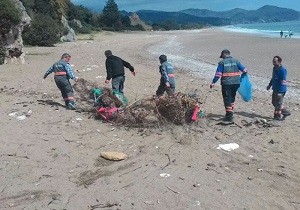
(118, 83)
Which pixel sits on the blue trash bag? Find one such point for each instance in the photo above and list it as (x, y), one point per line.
(245, 89)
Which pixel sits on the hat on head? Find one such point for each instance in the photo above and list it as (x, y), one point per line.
(225, 51)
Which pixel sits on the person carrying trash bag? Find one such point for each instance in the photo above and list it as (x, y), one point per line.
(279, 87)
(229, 70)
(167, 80)
(62, 73)
(115, 71)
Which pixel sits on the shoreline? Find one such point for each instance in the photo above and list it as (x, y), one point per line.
(205, 69)
(264, 29)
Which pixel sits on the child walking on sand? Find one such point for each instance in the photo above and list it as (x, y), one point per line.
(279, 87)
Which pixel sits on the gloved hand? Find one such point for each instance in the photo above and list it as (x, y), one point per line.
(268, 87)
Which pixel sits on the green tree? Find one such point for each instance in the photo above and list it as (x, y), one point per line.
(45, 7)
(2, 53)
(110, 16)
(44, 31)
(9, 16)
(170, 25)
(126, 21)
(80, 13)
(28, 4)
(53, 8)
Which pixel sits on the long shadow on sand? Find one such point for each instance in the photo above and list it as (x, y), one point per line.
(50, 102)
(215, 117)
(252, 115)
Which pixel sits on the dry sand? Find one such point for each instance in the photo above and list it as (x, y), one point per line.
(50, 160)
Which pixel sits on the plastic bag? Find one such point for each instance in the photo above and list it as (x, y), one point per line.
(245, 89)
(121, 97)
(107, 113)
(97, 93)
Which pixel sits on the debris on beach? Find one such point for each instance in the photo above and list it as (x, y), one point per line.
(228, 147)
(164, 175)
(20, 118)
(13, 114)
(115, 156)
(111, 106)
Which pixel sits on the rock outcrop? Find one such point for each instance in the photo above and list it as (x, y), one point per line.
(135, 20)
(12, 41)
(70, 36)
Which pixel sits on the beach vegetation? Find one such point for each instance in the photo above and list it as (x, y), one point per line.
(10, 15)
(81, 13)
(2, 54)
(44, 31)
(110, 16)
(137, 27)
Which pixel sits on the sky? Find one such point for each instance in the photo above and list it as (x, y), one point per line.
(176, 5)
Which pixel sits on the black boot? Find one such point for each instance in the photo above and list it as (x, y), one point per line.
(228, 117)
(71, 105)
(285, 112)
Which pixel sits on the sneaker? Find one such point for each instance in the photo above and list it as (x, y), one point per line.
(277, 118)
(71, 106)
(286, 113)
(228, 118)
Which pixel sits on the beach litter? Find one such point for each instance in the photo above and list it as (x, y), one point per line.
(228, 147)
(20, 118)
(114, 156)
(164, 175)
(112, 106)
(13, 114)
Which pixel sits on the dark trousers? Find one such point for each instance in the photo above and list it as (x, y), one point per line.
(118, 83)
(65, 87)
(162, 87)
(229, 93)
(277, 101)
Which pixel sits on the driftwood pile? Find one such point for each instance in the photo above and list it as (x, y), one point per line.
(148, 112)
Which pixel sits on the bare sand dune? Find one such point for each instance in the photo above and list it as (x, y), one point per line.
(50, 159)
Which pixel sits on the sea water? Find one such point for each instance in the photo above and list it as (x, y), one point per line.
(181, 59)
(268, 29)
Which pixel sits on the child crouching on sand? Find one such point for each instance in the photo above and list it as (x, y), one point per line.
(279, 87)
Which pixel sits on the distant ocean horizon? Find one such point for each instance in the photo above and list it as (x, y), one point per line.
(267, 29)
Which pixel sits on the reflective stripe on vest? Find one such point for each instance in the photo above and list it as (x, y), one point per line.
(60, 73)
(60, 68)
(70, 98)
(231, 74)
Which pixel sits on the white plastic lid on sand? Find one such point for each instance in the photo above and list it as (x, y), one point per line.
(228, 147)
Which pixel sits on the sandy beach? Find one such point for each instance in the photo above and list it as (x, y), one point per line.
(50, 159)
